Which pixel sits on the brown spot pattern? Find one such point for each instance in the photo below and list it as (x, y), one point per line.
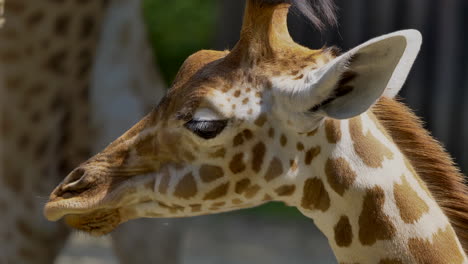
(258, 153)
(333, 130)
(340, 176)
(187, 187)
(247, 134)
(275, 170)
(237, 164)
(261, 120)
(432, 163)
(252, 191)
(238, 140)
(369, 149)
(311, 154)
(283, 140)
(300, 146)
(374, 224)
(209, 173)
(220, 153)
(189, 156)
(285, 190)
(410, 205)
(312, 133)
(343, 232)
(315, 196)
(271, 132)
(217, 192)
(299, 77)
(443, 249)
(242, 185)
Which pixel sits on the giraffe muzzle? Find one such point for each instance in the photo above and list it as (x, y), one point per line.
(80, 192)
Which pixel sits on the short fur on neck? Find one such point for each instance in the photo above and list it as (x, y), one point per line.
(433, 164)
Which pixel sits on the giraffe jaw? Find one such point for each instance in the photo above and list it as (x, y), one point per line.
(97, 223)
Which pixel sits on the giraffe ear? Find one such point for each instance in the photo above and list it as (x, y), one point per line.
(353, 82)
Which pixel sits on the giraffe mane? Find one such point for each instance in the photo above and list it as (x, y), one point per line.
(430, 160)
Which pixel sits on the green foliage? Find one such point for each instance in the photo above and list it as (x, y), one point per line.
(276, 209)
(179, 28)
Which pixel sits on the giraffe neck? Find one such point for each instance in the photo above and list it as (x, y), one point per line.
(369, 202)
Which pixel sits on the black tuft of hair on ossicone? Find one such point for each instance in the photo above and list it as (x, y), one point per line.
(319, 12)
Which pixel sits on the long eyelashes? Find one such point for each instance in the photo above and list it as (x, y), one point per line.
(206, 129)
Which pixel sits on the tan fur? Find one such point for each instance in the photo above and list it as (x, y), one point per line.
(367, 147)
(430, 160)
(425, 250)
(408, 202)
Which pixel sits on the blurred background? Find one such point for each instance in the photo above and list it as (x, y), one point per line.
(133, 52)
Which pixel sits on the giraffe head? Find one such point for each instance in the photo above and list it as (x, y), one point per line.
(227, 134)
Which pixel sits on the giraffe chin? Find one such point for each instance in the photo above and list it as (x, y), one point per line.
(96, 218)
(97, 223)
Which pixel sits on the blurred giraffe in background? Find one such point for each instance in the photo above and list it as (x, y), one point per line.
(50, 110)
(2, 6)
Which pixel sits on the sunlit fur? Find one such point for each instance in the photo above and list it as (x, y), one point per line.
(430, 160)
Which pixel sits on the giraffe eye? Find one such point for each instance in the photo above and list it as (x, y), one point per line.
(206, 129)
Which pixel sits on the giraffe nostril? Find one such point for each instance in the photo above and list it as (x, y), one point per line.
(74, 176)
(74, 183)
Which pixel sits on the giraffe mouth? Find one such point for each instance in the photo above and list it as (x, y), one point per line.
(99, 213)
(95, 220)
(92, 220)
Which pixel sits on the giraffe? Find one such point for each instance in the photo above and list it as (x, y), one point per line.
(2, 6)
(46, 50)
(48, 91)
(271, 120)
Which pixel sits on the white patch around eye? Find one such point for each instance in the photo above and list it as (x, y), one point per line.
(206, 114)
